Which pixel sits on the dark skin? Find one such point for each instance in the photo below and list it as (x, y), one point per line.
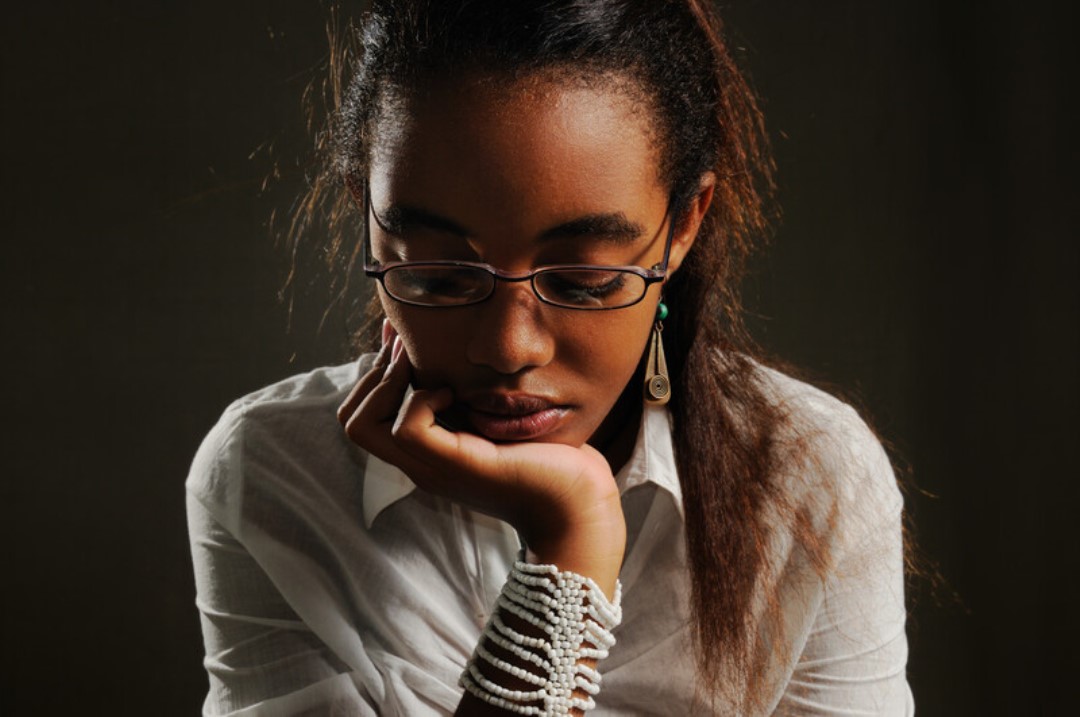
(519, 175)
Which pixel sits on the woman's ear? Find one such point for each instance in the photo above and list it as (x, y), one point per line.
(687, 229)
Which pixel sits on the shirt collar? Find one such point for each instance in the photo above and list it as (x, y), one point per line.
(652, 461)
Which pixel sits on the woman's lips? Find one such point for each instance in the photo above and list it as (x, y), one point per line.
(513, 417)
(516, 428)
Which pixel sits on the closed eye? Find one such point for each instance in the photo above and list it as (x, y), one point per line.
(584, 286)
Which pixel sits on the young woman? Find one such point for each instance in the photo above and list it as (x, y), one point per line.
(558, 199)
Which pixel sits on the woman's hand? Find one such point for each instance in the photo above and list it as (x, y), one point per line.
(562, 499)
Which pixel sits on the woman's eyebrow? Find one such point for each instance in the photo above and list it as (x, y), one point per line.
(614, 227)
(400, 218)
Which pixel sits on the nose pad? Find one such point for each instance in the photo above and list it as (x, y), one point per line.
(511, 333)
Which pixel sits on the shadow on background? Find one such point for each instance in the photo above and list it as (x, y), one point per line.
(927, 263)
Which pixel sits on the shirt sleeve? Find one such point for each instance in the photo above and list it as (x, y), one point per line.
(261, 658)
(854, 658)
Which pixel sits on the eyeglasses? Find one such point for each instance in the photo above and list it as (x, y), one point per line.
(461, 283)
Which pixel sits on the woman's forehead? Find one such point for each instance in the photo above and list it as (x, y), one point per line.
(508, 144)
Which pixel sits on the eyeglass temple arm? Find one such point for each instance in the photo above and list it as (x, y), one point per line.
(369, 261)
(672, 214)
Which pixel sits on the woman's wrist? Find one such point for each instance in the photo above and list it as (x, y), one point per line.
(594, 549)
(538, 654)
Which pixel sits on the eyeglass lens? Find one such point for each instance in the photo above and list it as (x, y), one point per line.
(574, 288)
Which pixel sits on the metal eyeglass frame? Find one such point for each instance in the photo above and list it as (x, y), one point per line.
(378, 271)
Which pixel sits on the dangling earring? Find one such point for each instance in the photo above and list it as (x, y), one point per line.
(657, 384)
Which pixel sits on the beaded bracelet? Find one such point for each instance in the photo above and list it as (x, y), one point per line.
(571, 611)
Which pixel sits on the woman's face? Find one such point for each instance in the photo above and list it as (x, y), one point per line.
(518, 176)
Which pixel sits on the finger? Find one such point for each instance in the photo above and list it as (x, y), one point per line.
(388, 332)
(370, 423)
(418, 431)
(461, 466)
(418, 413)
(364, 385)
(373, 424)
(370, 379)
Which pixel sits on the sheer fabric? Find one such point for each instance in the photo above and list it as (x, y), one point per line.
(328, 584)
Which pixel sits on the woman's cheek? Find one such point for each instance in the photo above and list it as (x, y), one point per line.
(431, 345)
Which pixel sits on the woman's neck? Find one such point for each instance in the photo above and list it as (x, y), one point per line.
(616, 436)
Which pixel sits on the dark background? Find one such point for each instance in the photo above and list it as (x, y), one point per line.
(927, 263)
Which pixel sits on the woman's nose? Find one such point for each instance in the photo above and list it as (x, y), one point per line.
(511, 332)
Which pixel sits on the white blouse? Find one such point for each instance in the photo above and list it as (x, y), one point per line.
(328, 584)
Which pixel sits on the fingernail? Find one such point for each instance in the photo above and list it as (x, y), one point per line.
(398, 348)
(386, 330)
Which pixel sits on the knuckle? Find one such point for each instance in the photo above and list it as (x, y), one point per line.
(356, 428)
(387, 380)
(406, 433)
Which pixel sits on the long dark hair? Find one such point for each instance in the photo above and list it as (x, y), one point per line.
(727, 445)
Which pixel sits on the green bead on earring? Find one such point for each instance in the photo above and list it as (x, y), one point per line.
(661, 311)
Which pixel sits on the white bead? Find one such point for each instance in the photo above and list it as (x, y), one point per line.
(576, 616)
